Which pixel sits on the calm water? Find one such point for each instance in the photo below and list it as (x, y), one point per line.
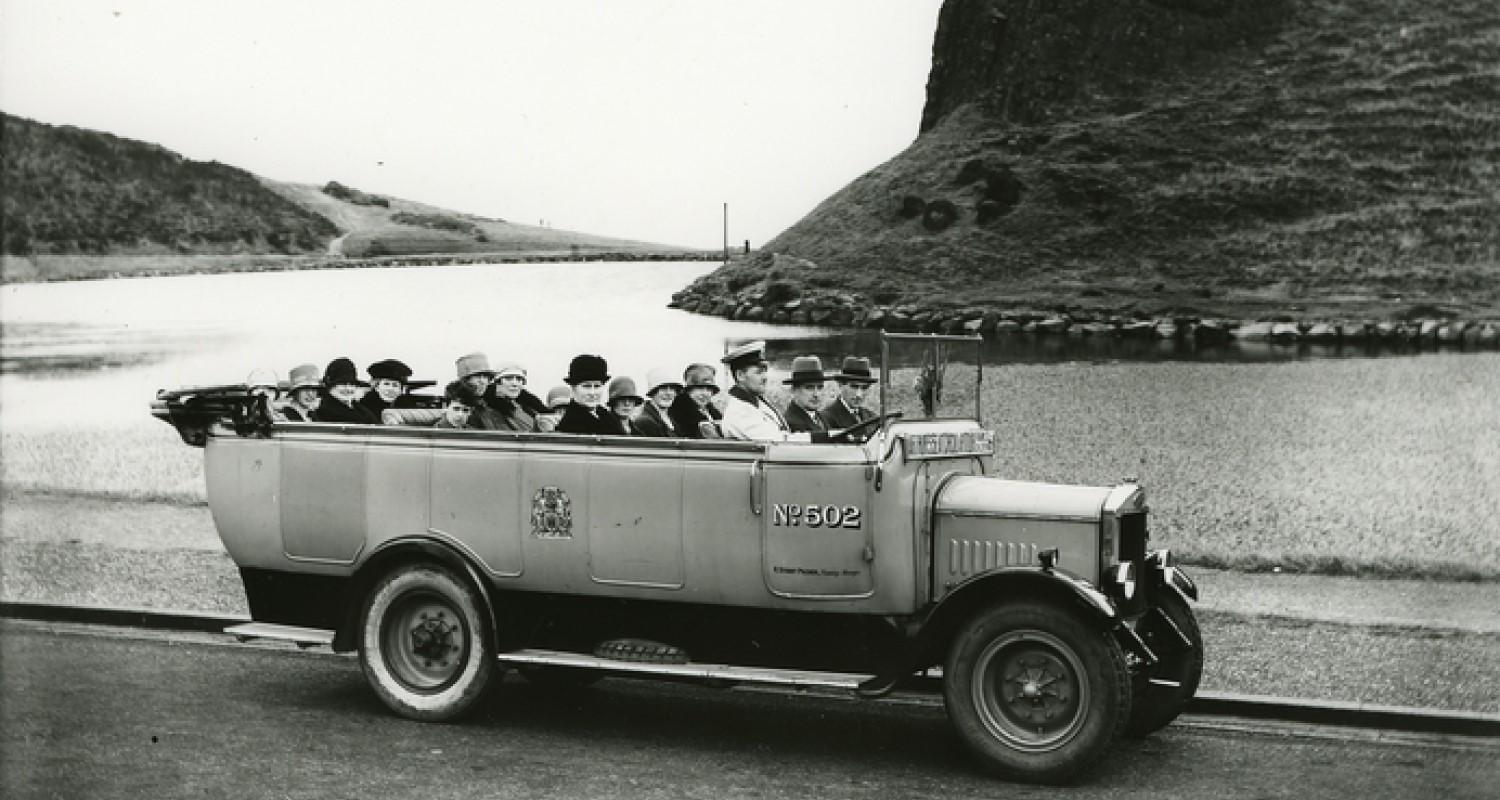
(95, 352)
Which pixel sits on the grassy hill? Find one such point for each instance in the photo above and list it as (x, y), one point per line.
(80, 204)
(1243, 158)
(73, 191)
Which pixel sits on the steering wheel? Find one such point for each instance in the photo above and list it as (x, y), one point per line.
(860, 431)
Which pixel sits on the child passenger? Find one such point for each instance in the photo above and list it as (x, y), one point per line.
(460, 400)
(586, 412)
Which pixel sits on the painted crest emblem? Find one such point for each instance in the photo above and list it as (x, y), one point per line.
(551, 514)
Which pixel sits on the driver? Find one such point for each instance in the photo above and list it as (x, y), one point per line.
(854, 379)
(747, 415)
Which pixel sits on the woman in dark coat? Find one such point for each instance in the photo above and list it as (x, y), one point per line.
(508, 406)
(586, 413)
(340, 402)
(694, 405)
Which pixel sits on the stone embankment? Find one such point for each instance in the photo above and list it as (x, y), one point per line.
(847, 310)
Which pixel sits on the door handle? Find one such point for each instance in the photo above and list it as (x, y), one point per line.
(755, 487)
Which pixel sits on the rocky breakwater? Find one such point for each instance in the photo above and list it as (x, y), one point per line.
(769, 294)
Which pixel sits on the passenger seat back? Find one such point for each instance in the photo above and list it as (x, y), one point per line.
(411, 416)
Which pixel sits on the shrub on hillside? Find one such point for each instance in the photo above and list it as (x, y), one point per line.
(355, 196)
(438, 222)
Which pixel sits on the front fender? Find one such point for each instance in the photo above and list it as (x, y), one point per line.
(1060, 586)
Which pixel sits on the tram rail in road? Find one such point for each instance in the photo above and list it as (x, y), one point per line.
(1212, 704)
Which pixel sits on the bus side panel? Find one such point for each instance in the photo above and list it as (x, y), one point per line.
(243, 477)
(323, 499)
(721, 532)
(635, 519)
(397, 486)
(476, 499)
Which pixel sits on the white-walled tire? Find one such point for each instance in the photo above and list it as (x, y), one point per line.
(1035, 691)
(424, 643)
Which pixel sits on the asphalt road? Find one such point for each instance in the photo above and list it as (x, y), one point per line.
(97, 713)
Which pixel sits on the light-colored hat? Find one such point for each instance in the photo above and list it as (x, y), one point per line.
(262, 377)
(473, 364)
(700, 375)
(746, 354)
(559, 396)
(806, 369)
(509, 368)
(659, 377)
(623, 388)
(306, 376)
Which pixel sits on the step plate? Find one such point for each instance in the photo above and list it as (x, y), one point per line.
(722, 672)
(285, 633)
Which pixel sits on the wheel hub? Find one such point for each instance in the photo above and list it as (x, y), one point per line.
(433, 637)
(1028, 692)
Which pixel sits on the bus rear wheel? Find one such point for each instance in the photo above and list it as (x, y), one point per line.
(424, 643)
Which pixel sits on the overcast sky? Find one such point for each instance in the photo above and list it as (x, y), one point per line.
(631, 118)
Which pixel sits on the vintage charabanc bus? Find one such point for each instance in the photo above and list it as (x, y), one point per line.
(447, 556)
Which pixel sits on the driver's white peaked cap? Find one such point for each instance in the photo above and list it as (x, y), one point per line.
(747, 353)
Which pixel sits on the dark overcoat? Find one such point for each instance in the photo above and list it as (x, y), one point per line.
(838, 416)
(331, 410)
(800, 420)
(651, 422)
(686, 415)
(599, 421)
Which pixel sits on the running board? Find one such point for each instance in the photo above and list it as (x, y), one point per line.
(302, 637)
(719, 672)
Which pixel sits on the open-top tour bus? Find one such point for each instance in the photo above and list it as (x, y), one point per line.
(446, 556)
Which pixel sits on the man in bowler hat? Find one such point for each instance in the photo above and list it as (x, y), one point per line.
(586, 412)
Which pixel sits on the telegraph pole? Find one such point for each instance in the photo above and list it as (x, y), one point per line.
(726, 233)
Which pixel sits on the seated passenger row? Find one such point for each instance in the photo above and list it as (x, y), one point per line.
(590, 402)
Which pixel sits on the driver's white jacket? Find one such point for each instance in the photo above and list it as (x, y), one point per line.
(757, 421)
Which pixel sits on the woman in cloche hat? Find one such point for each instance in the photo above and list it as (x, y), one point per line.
(586, 412)
(341, 390)
(508, 406)
(624, 402)
(694, 404)
(303, 400)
